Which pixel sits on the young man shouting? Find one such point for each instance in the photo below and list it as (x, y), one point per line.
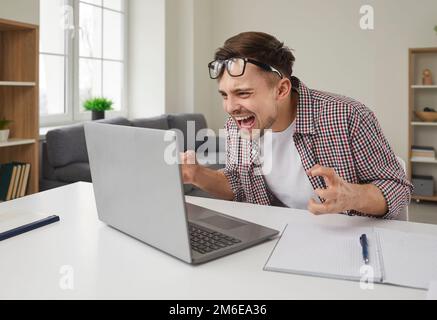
(327, 153)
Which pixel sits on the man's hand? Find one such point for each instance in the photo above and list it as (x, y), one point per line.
(342, 196)
(213, 182)
(339, 194)
(189, 166)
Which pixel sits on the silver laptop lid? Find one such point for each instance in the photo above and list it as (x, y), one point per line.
(136, 191)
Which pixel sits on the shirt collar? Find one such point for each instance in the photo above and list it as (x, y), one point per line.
(305, 109)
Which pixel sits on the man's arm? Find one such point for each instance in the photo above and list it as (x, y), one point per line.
(341, 196)
(383, 190)
(212, 181)
(376, 163)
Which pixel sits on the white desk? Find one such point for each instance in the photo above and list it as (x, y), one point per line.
(109, 264)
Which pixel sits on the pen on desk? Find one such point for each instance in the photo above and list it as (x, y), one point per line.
(28, 227)
(365, 247)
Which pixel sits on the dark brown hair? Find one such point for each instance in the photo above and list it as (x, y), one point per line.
(260, 46)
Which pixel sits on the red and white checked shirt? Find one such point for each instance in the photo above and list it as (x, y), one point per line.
(332, 131)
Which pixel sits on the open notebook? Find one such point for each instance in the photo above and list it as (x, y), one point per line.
(396, 257)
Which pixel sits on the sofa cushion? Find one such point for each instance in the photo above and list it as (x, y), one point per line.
(45, 184)
(46, 170)
(67, 145)
(196, 192)
(188, 188)
(74, 172)
(160, 122)
(118, 120)
(179, 122)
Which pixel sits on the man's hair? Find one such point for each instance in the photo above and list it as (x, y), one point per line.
(260, 46)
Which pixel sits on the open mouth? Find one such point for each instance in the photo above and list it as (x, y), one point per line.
(247, 122)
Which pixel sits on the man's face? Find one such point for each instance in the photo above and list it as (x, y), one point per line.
(250, 100)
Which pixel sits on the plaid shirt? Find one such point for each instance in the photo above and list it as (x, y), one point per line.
(332, 131)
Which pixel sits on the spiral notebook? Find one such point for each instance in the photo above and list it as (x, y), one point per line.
(395, 257)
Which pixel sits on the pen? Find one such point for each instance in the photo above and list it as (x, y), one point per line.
(28, 227)
(365, 247)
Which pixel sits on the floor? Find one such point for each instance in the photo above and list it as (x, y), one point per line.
(423, 212)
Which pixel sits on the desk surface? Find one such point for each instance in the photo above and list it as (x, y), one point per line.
(107, 264)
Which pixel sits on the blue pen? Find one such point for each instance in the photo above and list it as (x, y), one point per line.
(28, 227)
(365, 246)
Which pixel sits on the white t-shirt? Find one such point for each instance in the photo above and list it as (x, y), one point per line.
(283, 171)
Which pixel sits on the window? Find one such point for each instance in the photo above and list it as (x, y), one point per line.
(82, 55)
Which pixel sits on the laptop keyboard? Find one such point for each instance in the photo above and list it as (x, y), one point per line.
(205, 241)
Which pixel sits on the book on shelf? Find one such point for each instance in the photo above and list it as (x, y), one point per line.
(422, 155)
(14, 179)
(17, 179)
(25, 180)
(419, 152)
(11, 183)
(6, 173)
(422, 148)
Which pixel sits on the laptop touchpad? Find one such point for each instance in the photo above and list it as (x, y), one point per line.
(223, 223)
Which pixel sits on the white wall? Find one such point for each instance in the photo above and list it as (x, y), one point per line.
(20, 10)
(146, 59)
(203, 47)
(166, 39)
(179, 41)
(188, 51)
(334, 54)
(173, 40)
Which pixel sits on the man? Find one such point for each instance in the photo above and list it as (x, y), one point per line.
(328, 153)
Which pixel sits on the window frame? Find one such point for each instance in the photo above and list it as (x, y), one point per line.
(73, 111)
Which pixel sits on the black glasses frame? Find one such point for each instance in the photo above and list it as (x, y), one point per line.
(226, 62)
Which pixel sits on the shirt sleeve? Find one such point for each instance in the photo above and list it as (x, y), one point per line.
(376, 163)
(231, 171)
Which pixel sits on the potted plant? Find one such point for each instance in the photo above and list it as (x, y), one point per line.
(98, 106)
(4, 133)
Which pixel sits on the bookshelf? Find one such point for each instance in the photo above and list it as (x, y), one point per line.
(19, 95)
(422, 96)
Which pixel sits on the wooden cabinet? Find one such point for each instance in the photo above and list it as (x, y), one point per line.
(19, 97)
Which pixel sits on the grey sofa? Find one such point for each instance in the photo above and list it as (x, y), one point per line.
(64, 156)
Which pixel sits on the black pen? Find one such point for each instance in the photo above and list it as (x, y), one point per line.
(365, 247)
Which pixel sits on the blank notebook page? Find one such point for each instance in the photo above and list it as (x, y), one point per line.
(409, 259)
(326, 251)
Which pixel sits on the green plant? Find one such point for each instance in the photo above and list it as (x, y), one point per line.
(98, 104)
(4, 123)
(435, 29)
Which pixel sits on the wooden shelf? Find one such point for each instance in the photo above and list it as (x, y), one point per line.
(17, 84)
(424, 124)
(423, 50)
(16, 142)
(424, 198)
(423, 87)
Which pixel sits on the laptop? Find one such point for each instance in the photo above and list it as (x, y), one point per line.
(140, 194)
